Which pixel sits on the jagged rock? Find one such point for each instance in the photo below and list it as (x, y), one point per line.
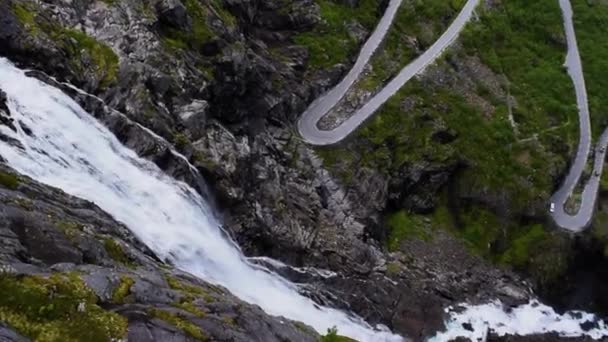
(194, 116)
(174, 14)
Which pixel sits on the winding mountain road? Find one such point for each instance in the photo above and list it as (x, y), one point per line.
(310, 132)
(582, 219)
(307, 125)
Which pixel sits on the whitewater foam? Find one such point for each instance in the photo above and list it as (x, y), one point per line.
(474, 322)
(71, 150)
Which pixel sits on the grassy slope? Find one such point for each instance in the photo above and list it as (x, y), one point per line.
(330, 43)
(523, 41)
(423, 20)
(591, 25)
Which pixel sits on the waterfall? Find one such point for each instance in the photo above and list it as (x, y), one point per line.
(69, 149)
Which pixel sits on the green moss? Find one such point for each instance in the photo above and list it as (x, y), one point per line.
(122, 290)
(116, 252)
(304, 328)
(57, 308)
(188, 289)
(9, 180)
(403, 226)
(518, 253)
(229, 321)
(180, 141)
(26, 16)
(196, 38)
(24, 203)
(224, 14)
(330, 43)
(181, 323)
(332, 336)
(69, 228)
(187, 304)
(393, 268)
(104, 60)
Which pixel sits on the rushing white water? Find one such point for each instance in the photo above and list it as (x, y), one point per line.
(528, 319)
(70, 150)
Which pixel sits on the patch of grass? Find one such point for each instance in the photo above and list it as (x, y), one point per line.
(525, 41)
(104, 60)
(57, 308)
(180, 322)
(520, 249)
(224, 14)
(403, 226)
(122, 290)
(187, 304)
(332, 336)
(85, 52)
(116, 252)
(9, 180)
(195, 39)
(330, 42)
(180, 141)
(190, 290)
(69, 228)
(26, 16)
(393, 268)
(590, 23)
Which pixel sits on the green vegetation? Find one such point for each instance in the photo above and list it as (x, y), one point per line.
(85, 52)
(527, 248)
(524, 40)
(332, 336)
(186, 304)
(188, 289)
(518, 31)
(180, 322)
(393, 268)
(304, 328)
(225, 15)
(330, 42)
(180, 141)
(69, 228)
(116, 252)
(9, 180)
(122, 290)
(522, 43)
(194, 39)
(26, 17)
(403, 226)
(590, 20)
(57, 308)
(423, 20)
(82, 47)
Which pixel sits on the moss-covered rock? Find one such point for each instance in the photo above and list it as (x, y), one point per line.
(180, 322)
(57, 308)
(9, 180)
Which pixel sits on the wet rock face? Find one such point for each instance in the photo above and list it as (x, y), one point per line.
(44, 232)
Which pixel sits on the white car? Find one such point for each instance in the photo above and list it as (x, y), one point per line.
(552, 207)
